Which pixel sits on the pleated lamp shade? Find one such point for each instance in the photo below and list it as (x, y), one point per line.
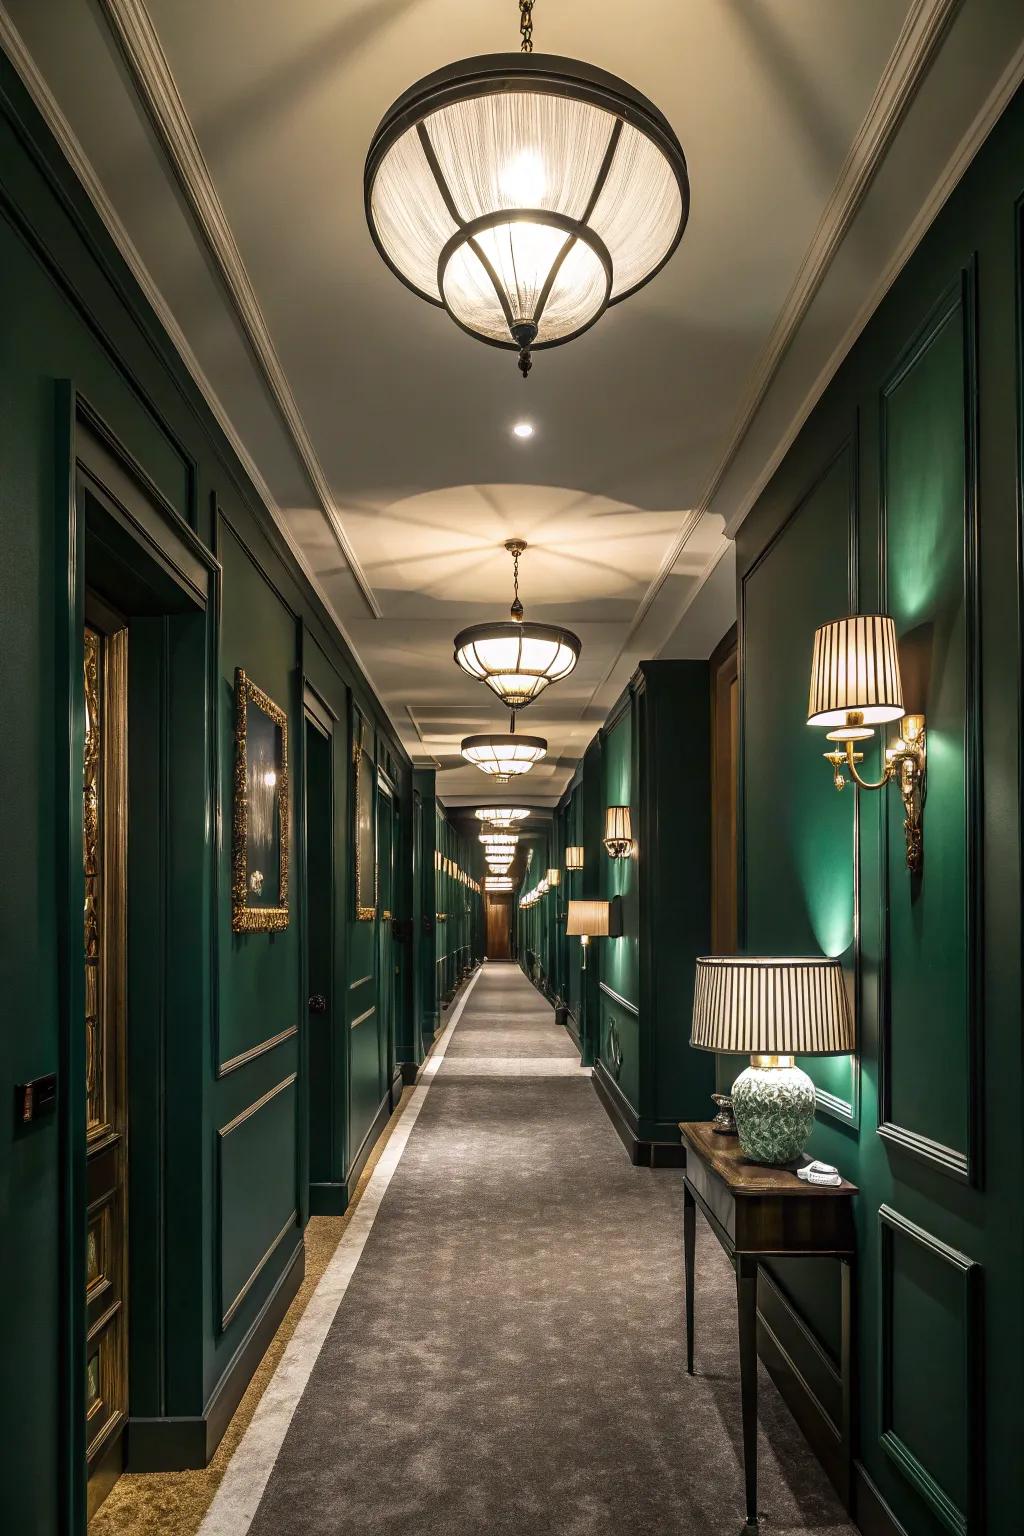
(771, 1007)
(574, 856)
(855, 667)
(590, 918)
(618, 824)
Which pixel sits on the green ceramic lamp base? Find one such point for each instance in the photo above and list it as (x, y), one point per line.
(773, 1101)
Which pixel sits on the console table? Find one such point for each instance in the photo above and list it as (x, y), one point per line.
(757, 1213)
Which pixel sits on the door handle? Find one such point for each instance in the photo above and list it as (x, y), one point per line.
(318, 1003)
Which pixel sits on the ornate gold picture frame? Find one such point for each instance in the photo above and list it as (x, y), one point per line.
(364, 828)
(259, 844)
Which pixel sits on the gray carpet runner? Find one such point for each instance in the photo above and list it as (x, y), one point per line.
(508, 1357)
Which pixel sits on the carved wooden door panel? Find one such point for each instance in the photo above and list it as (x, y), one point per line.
(105, 828)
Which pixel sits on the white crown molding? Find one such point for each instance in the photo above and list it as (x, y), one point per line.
(147, 63)
(46, 103)
(977, 133)
(915, 48)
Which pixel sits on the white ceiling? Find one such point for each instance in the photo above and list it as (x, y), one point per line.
(225, 143)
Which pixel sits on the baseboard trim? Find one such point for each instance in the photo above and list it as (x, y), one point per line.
(367, 1145)
(328, 1199)
(619, 1111)
(643, 1152)
(187, 1444)
(870, 1511)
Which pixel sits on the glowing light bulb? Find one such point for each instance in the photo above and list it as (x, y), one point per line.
(522, 181)
(523, 429)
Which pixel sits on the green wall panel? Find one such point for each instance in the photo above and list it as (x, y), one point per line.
(929, 1404)
(798, 833)
(921, 425)
(256, 1195)
(927, 430)
(259, 977)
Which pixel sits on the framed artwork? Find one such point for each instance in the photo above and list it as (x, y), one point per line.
(259, 847)
(364, 831)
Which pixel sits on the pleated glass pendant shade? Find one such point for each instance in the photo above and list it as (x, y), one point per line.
(525, 193)
(517, 660)
(504, 757)
(501, 815)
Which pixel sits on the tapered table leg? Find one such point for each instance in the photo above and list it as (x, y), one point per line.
(746, 1297)
(689, 1249)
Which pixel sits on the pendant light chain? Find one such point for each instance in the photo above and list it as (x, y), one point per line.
(517, 607)
(526, 24)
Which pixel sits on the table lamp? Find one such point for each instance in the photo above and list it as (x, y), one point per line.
(773, 1009)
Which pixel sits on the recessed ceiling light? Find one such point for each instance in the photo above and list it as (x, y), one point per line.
(523, 429)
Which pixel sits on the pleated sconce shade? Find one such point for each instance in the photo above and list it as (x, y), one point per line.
(588, 917)
(574, 856)
(618, 824)
(771, 1007)
(855, 666)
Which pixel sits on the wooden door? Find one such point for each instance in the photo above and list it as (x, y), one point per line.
(499, 924)
(105, 829)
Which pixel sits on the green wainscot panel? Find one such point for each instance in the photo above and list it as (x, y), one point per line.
(620, 1047)
(256, 1193)
(259, 971)
(927, 1071)
(799, 832)
(928, 1408)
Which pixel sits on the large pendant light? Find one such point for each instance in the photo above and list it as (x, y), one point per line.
(504, 757)
(501, 816)
(525, 193)
(515, 659)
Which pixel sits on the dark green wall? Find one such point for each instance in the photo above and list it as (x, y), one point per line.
(902, 494)
(631, 1008)
(218, 1043)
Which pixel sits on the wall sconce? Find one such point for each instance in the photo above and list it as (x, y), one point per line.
(618, 831)
(554, 877)
(856, 685)
(574, 857)
(588, 920)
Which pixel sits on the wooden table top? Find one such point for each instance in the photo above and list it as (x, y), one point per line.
(724, 1157)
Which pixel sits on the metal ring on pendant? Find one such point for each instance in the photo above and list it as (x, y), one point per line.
(465, 236)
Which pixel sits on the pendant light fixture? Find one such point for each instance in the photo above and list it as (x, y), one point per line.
(504, 757)
(515, 659)
(501, 816)
(525, 193)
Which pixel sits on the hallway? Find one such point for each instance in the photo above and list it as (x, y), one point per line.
(507, 1355)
